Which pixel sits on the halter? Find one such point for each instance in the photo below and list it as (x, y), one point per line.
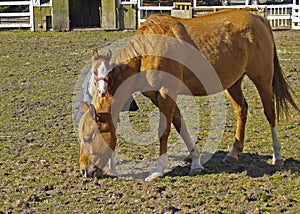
(97, 79)
(109, 76)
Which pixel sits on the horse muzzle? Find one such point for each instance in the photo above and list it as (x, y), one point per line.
(95, 172)
(102, 93)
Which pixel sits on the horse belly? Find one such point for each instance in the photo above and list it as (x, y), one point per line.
(192, 87)
(207, 80)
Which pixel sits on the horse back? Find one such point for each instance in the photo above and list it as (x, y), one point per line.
(239, 23)
(231, 40)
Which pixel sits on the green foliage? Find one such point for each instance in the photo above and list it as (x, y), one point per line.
(17, 8)
(3, 8)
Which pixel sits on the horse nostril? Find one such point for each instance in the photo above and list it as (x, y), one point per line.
(84, 172)
(101, 93)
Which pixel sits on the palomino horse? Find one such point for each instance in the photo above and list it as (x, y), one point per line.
(101, 66)
(171, 56)
(98, 140)
(89, 89)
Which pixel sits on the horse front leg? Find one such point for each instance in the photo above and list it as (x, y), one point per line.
(181, 128)
(240, 106)
(166, 107)
(112, 165)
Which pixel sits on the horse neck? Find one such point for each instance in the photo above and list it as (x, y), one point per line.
(107, 129)
(102, 104)
(127, 62)
(105, 120)
(124, 71)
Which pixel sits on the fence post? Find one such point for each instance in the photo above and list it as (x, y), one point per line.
(31, 16)
(296, 15)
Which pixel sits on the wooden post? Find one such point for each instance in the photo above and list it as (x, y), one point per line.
(108, 15)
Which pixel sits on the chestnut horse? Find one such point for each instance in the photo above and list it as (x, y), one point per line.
(201, 56)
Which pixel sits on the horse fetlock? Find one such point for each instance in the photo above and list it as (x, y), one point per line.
(158, 171)
(237, 147)
(114, 173)
(196, 159)
(162, 163)
(196, 171)
(278, 162)
(112, 166)
(277, 159)
(233, 155)
(277, 149)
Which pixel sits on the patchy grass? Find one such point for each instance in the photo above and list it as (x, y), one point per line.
(39, 150)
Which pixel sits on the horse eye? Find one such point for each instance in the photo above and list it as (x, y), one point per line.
(90, 139)
(87, 140)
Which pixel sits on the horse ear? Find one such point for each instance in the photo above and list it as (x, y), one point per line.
(108, 55)
(92, 111)
(95, 54)
(84, 105)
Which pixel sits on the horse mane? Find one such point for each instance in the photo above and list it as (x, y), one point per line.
(138, 45)
(132, 50)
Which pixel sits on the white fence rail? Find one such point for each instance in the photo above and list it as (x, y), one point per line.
(18, 19)
(145, 11)
(280, 16)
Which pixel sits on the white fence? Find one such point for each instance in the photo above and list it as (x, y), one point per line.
(280, 16)
(18, 19)
(296, 15)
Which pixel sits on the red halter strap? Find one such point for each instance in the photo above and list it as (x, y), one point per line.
(97, 79)
(109, 76)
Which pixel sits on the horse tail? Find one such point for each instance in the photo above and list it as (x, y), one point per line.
(281, 90)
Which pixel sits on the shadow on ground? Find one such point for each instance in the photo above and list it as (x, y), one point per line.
(254, 165)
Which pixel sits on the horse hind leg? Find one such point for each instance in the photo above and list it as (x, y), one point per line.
(277, 157)
(266, 93)
(240, 106)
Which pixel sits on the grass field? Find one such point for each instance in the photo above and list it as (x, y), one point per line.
(39, 151)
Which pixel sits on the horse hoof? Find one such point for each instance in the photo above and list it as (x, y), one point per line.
(278, 162)
(229, 159)
(196, 171)
(153, 176)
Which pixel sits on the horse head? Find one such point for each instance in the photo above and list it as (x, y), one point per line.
(101, 71)
(97, 141)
